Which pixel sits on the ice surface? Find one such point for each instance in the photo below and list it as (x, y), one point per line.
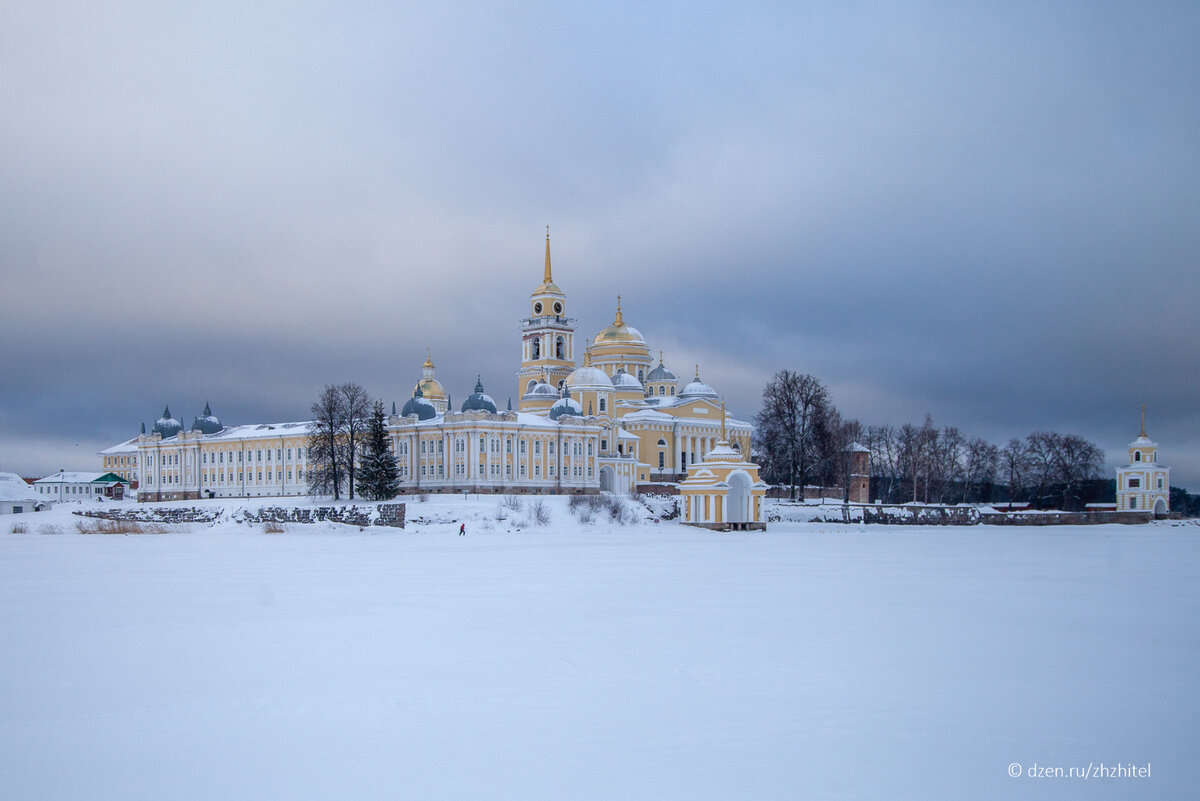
(651, 661)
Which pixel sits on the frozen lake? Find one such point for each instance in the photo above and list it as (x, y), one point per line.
(573, 661)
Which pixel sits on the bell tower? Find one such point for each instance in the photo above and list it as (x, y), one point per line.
(547, 335)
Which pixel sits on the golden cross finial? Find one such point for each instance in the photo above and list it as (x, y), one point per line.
(660, 357)
(547, 279)
(619, 320)
(697, 372)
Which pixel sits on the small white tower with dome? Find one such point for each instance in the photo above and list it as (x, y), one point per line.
(1143, 484)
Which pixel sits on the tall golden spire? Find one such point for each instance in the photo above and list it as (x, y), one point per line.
(619, 321)
(548, 279)
(1143, 419)
(587, 353)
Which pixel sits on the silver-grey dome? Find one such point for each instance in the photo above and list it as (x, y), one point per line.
(565, 405)
(477, 401)
(661, 373)
(167, 426)
(419, 405)
(207, 423)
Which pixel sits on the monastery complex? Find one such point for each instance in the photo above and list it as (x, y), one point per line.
(600, 415)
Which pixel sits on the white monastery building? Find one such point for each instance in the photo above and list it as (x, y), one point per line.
(612, 422)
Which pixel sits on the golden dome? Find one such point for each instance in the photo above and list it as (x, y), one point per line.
(618, 331)
(430, 388)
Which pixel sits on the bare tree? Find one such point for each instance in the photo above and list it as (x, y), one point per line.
(1014, 465)
(1076, 461)
(982, 461)
(1042, 449)
(356, 408)
(794, 408)
(883, 442)
(949, 456)
(325, 444)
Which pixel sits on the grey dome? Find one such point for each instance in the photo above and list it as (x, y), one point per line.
(477, 401)
(167, 426)
(420, 406)
(661, 373)
(565, 406)
(207, 423)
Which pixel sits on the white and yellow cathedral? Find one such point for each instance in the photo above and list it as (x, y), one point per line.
(616, 422)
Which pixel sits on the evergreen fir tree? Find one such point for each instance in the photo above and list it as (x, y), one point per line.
(378, 479)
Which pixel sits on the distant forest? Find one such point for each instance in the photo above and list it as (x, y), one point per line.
(802, 440)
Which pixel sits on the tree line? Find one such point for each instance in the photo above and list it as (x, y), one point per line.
(348, 446)
(802, 440)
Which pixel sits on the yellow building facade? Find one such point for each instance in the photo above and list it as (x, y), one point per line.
(723, 491)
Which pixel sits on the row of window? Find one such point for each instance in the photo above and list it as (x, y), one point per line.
(460, 446)
(44, 489)
(460, 471)
(272, 454)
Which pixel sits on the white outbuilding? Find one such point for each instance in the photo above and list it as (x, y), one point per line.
(16, 496)
(65, 486)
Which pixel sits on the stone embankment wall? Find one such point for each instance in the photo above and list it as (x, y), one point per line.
(1063, 518)
(157, 515)
(384, 514)
(913, 515)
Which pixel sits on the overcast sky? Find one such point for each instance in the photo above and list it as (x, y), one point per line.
(990, 214)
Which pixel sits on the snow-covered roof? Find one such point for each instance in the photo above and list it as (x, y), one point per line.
(14, 488)
(71, 478)
(261, 430)
(648, 416)
(128, 446)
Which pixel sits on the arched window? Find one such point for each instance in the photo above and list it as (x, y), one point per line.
(1137, 456)
(662, 390)
(603, 403)
(537, 349)
(560, 348)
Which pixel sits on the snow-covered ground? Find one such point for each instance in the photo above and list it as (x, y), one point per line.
(579, 661)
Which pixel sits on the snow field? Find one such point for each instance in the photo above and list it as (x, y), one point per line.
(595, 661)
